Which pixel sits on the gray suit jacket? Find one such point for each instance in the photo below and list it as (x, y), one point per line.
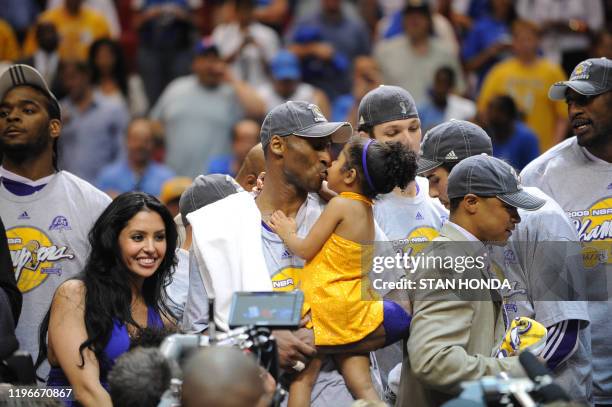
(450, 341)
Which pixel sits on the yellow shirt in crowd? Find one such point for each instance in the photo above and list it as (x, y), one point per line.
(528, 86)
(76, 32)
(9, 49)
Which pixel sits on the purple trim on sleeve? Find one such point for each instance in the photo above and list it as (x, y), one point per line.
(561, 343)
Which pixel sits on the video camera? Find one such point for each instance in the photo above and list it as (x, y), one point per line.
(253, 316)
(502, 391)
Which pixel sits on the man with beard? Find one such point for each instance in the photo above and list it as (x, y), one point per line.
(47, 212)
(234, 248)
(199, 110)
(577, 173)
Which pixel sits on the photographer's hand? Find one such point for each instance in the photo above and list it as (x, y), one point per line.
(294, 347)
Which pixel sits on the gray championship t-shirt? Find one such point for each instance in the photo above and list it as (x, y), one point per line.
(47, 236)
(542, 263)
(582, 185)
(409, 222)
(198, 123)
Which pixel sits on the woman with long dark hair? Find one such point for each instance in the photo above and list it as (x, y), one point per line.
(111, 78)
(122, 290)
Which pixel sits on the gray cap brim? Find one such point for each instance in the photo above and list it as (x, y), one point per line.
(522, 199)
(339, 131)
(557, 91)
(24, 75)
(424, 165)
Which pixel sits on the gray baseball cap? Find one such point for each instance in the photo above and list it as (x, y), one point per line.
(486, 176)
(302, 119)
(25, 75)
(451, 142)
(386, 104)
(590, 77)
(205, 190)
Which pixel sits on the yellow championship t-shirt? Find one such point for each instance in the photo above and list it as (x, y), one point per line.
(76, 32)
(528, 86)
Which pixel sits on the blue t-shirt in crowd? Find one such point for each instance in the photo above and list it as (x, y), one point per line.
(430, 115)
(520, 149)
(341, 107)
(486, 32)
(221, 164)
(120, 178)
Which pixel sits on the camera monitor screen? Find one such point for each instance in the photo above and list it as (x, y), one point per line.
(267, 309)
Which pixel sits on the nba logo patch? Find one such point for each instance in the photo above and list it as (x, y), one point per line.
(316, 112)
(60, 223)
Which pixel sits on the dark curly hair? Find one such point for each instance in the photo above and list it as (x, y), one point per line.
(108, 295)
(389, 165)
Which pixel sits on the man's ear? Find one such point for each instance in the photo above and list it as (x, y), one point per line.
(55, 128)
(251, 181)
(471, 203)
(277, 145)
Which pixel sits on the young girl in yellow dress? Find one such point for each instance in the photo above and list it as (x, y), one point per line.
(338, 253)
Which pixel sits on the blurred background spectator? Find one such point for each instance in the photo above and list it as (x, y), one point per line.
(512, 140)
(105, 7)
(489, 40)
(393, 25)
(366, 76)
(245, 135)
(199, 110)
(111, 79)
(326, 42)
(78, 26)
(602, 45)
(93, 126)
(20, 15)
(441, 104)
(527, 77)
(166, 31)
(565, 26)
(410, 60)
(287, 84)
(136, 171)
(46, 58)
(9, 48)
(246, 45)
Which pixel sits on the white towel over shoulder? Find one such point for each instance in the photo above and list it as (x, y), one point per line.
(228, 247)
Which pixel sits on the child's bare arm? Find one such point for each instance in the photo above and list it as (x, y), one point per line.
(308, 247)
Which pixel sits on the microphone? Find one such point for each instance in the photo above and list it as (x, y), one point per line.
(546, 388)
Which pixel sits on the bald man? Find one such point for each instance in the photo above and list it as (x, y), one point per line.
(253, 165)
(236, 380)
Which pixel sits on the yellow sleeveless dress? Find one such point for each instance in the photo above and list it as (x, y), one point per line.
(344, 308)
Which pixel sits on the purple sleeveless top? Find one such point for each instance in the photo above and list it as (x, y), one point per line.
(118, 344)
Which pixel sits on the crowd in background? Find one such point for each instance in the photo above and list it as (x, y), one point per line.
(154, 93)
(179, 87)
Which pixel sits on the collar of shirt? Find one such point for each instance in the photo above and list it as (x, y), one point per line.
(22, 186)
(591, 157)
(470, 237)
